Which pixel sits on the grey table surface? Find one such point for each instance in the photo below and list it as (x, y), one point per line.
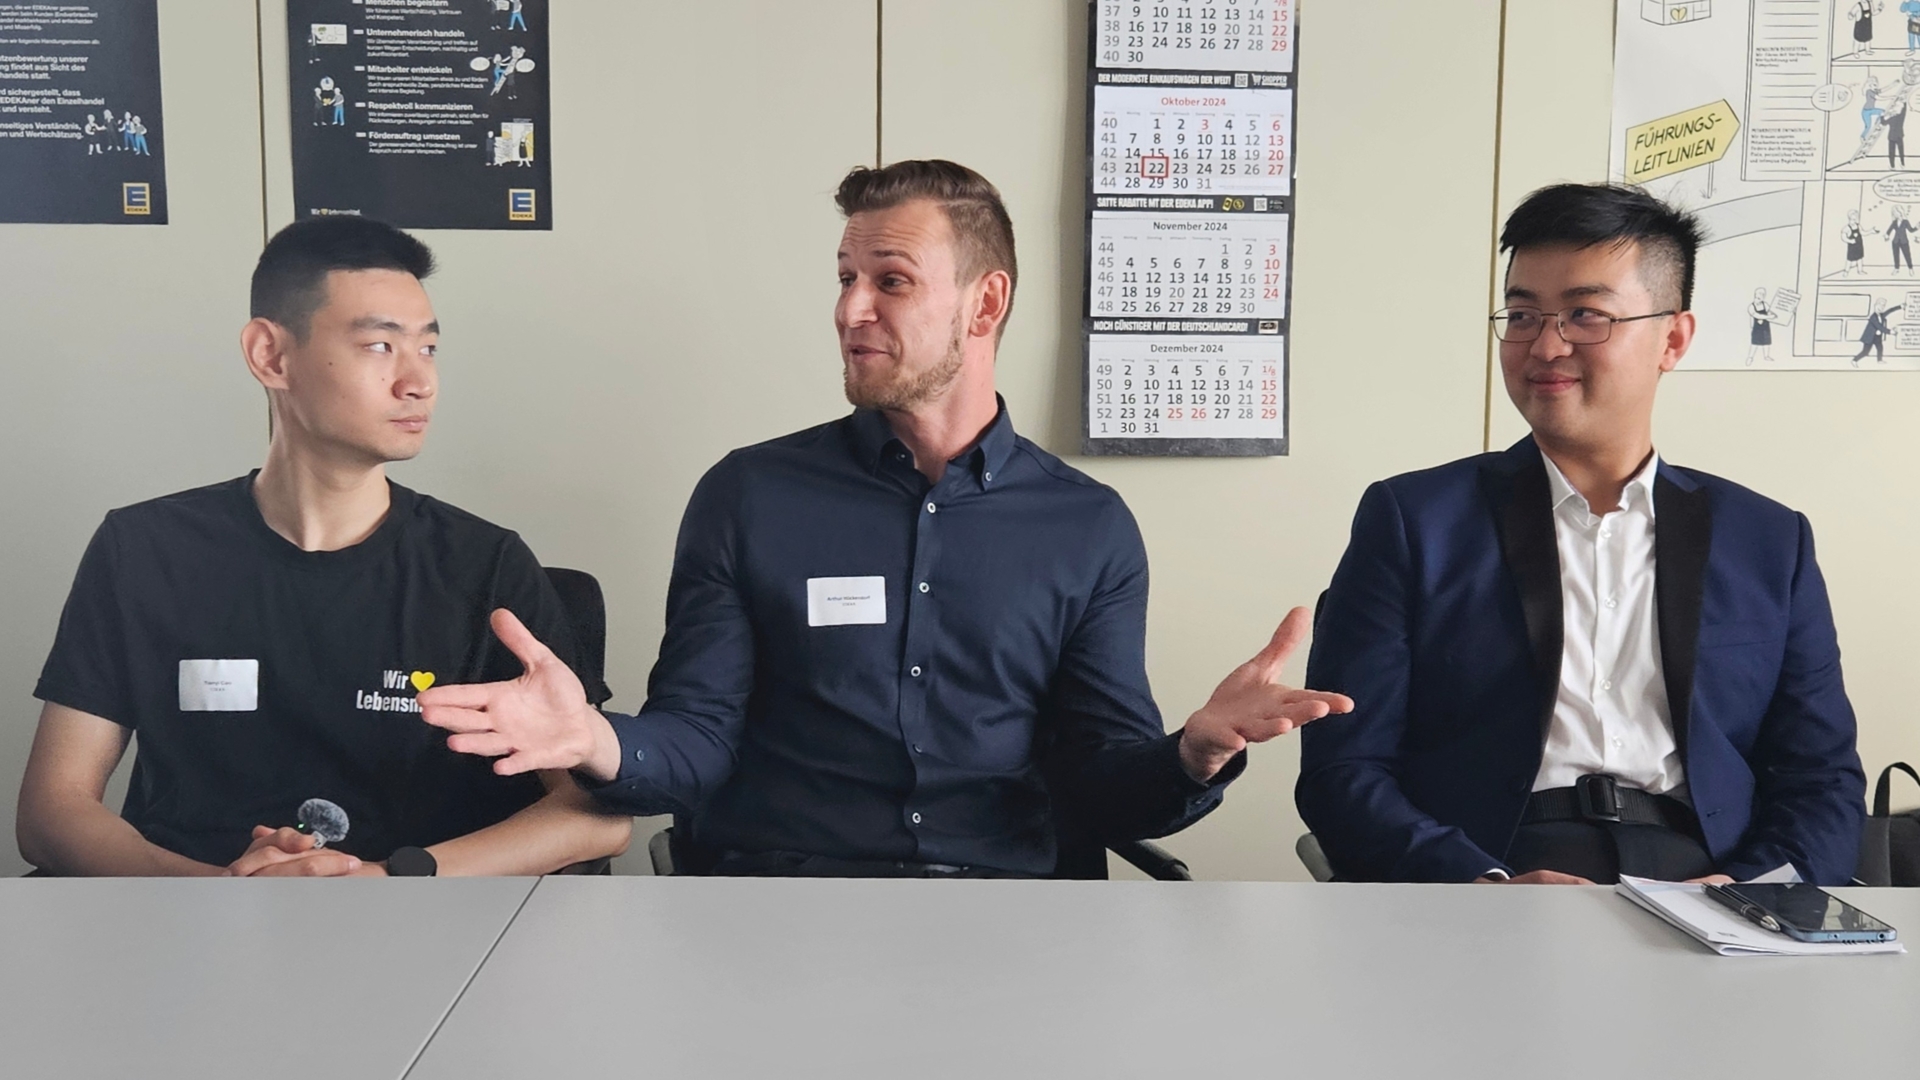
(851, 979)
(164, 978)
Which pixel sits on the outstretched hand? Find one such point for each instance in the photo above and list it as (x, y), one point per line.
(540, 720)
(1251, 705)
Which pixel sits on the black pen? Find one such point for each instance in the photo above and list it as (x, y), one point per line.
(1753, 913)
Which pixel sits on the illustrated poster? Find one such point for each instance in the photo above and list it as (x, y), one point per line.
(1782, 124)
(81, 139)
(425, 114)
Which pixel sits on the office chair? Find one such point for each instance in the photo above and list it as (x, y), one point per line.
(1313, 858)
(1149, 858)
(586, 609)
(1307, 847)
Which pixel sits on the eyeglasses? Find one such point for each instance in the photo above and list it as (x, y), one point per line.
(1576, 326)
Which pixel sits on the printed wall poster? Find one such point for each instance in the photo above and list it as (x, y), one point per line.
(1782, 124)
(426, 114)
(81, 140)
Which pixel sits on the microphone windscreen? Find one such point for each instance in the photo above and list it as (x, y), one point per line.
(325, 820)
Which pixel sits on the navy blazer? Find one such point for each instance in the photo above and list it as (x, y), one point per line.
(1444, 624)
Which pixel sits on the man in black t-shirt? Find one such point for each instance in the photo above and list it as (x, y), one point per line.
(266, 637)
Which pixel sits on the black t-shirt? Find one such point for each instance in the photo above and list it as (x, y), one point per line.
(257, 675)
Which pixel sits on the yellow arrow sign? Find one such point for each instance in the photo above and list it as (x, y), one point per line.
(1683, 141)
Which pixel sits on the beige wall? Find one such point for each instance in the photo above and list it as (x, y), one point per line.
(593, 373)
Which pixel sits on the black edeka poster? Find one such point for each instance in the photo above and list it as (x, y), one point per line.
(80, 134)
(425, 114)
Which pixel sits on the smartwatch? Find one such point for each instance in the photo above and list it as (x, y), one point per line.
(412, 862)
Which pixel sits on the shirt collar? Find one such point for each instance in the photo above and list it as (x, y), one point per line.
(996, 444)
(1639, 490)
(873, 438)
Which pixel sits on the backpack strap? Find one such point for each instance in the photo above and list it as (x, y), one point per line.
(1882, 791)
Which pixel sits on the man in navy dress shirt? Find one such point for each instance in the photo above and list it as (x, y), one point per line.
(907, 642)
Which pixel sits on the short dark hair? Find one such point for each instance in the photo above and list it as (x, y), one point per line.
(982, 229)
(1588, 215)
(290, 281)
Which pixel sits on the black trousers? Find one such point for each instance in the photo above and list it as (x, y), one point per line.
(1877, 346)
(799, 864)
(1602, 851)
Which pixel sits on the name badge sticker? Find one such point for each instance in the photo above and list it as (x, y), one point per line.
(846, 601)
(219, 685)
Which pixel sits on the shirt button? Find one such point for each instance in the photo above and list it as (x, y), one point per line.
(932, 509)
(925, 587)
(1606, 686)
(1612, 603)
(914, 671)
(639, 755)
(1618, 742)
(1606, 534)
(917, 750)
(916, 818)
(989, 478)
(900, 457)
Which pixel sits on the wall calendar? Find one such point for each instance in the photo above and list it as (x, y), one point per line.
(1190, 130)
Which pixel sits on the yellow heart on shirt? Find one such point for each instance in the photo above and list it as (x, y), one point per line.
(421, 679)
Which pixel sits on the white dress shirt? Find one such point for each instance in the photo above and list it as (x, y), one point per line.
(1612, 714)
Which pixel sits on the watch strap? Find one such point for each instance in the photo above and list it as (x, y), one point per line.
(412, 862)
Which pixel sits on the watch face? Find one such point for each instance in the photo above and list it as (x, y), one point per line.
(411, 862)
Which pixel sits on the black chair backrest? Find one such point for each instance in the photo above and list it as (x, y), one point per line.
(586, 609)
(1082, 856)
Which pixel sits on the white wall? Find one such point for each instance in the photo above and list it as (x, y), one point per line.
(591, 374)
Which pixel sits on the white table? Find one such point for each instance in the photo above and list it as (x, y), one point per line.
(148, 978)
(687, 977)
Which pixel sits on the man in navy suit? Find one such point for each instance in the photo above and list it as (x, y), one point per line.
(1573, 660)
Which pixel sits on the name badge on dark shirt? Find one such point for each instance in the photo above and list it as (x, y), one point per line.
(219, 685)
(846, 601)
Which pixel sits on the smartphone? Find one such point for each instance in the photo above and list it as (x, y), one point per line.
(1802, 912)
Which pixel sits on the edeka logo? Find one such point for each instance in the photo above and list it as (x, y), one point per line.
(136, 198)
(520, 204)
(377, 701)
